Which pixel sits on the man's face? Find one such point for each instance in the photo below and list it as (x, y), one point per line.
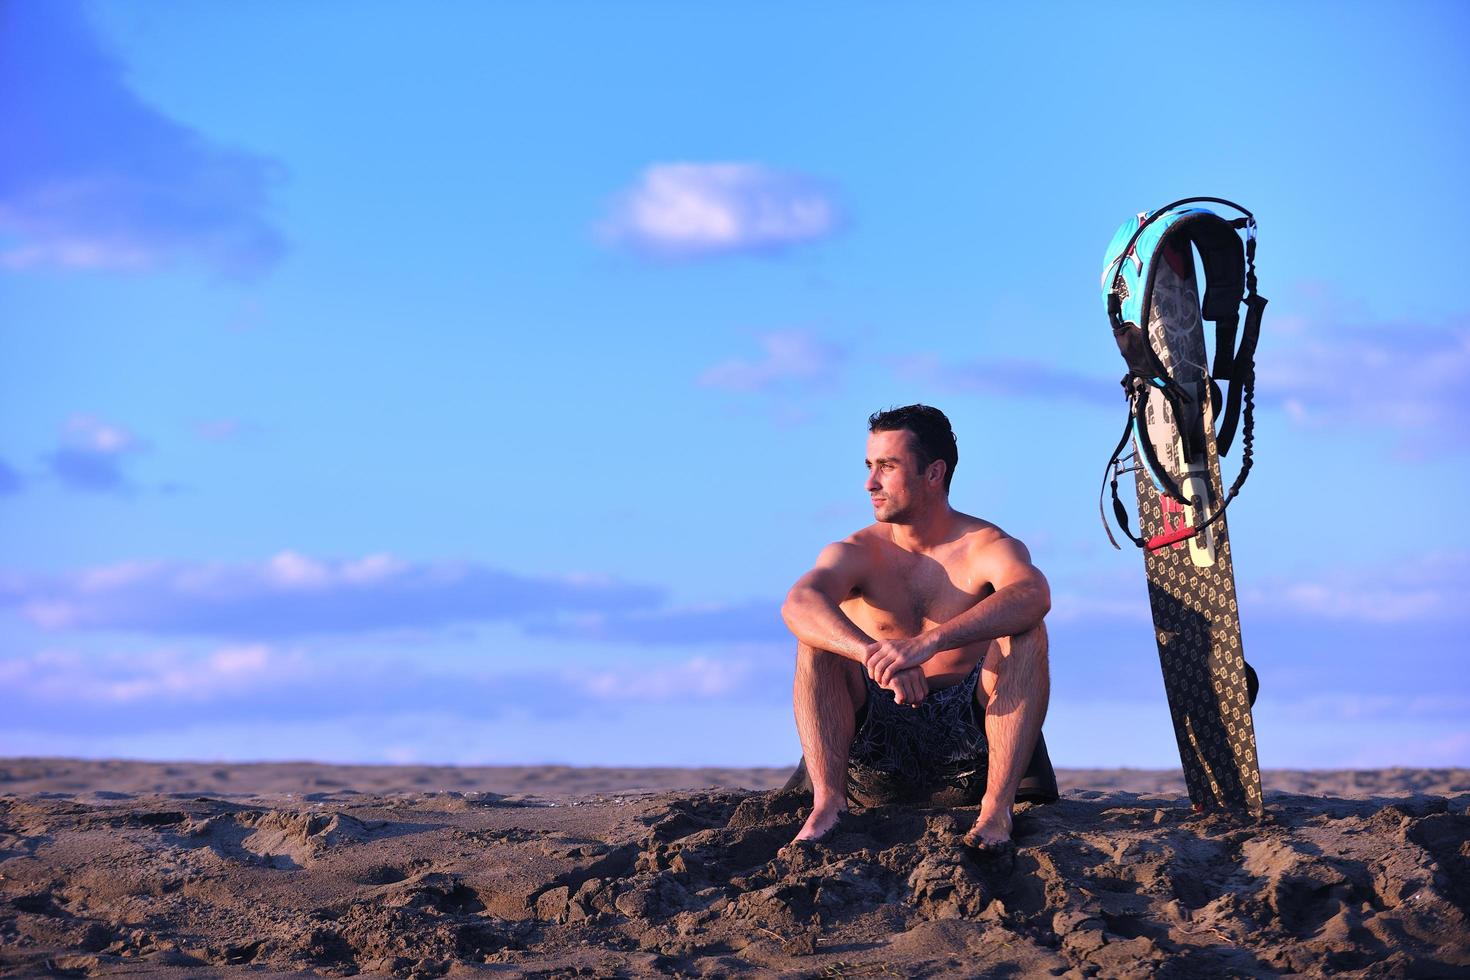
(895, 483)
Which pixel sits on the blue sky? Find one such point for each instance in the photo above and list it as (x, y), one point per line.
(467, 383)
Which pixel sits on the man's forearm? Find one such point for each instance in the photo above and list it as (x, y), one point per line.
(819, 622)
(1013, 609)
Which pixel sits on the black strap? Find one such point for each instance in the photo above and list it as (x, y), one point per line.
(1112, 469)
(1137, 404)
(1142, 360)
(1248, 439)
(1245, 379)
(1146, 443)
(1247, 459)
(1225, 347)
(1244, 367)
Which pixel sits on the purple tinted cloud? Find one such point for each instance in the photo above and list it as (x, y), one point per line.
(1314, 633)
(88, 471)
(1406, 380)
(91, 456)
(67, 692)
(294, 595)
(1011, 377)
(758, 621)
(788, 359)
(10, 479)
(92, 177)
(219, 430)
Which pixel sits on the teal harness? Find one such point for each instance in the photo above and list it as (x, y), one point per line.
(1131, 264)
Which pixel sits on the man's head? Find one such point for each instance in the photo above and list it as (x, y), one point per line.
(911, 459)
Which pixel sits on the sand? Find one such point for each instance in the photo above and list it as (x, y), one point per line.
(298, 869)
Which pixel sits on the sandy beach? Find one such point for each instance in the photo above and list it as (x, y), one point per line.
(302, 869)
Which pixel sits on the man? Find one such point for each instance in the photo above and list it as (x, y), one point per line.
(922, 657)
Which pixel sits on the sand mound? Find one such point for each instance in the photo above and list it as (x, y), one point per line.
(1114, 884)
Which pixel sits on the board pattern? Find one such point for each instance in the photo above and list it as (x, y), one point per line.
(1195, 613)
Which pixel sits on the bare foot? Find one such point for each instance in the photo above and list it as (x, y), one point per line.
(992, 830)
(820, 823)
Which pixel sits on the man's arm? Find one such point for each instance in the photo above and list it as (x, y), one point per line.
(812, 610)
(1020, 601)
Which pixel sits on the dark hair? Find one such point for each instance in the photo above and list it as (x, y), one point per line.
(932, 435)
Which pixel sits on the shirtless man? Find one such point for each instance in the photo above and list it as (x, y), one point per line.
(898, 623)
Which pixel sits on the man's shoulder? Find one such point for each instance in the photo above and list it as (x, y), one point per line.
(859, 544)
(978, 532)
(982, 538)
(875, 540)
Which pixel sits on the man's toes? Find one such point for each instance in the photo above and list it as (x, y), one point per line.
(990, 835)
(993, 857)
(976, 839)
(818, 831)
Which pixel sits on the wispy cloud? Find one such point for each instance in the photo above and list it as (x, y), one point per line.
(91, 177)
(11, 480)
(699, 678)
(91, 456)
(292, 594)
(748, 622)
(1427, 590)
(1012, 377)
(788, 358)
(1432, 587)
(165, 675)
(174, 687)
(1081, 606)
(697, 209)
(218, 430)
(1403, 379)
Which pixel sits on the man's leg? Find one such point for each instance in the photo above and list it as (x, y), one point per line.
(1015, 685)
(828, 692)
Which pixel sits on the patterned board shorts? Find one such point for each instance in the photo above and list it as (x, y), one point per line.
(935, 753)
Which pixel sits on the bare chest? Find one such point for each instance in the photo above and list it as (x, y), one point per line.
(914, 596)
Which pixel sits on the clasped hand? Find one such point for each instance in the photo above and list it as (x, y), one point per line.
(894, 664)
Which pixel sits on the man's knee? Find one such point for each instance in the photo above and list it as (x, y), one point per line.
(1032, 643)
(829, 667)
(1023, 655)
(817, 659)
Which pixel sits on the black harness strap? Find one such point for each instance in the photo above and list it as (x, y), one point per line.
(1111, 469)
(1248, 438)
(1244, 367)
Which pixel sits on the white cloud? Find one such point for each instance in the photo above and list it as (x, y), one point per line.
(90, 433)
(710, 208)
(293, 594)
(787, 357)
(290, 570)
(159, 676)
(116, 687)
(699, 677)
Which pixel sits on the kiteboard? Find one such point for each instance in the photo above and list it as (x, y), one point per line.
(1174, 397)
